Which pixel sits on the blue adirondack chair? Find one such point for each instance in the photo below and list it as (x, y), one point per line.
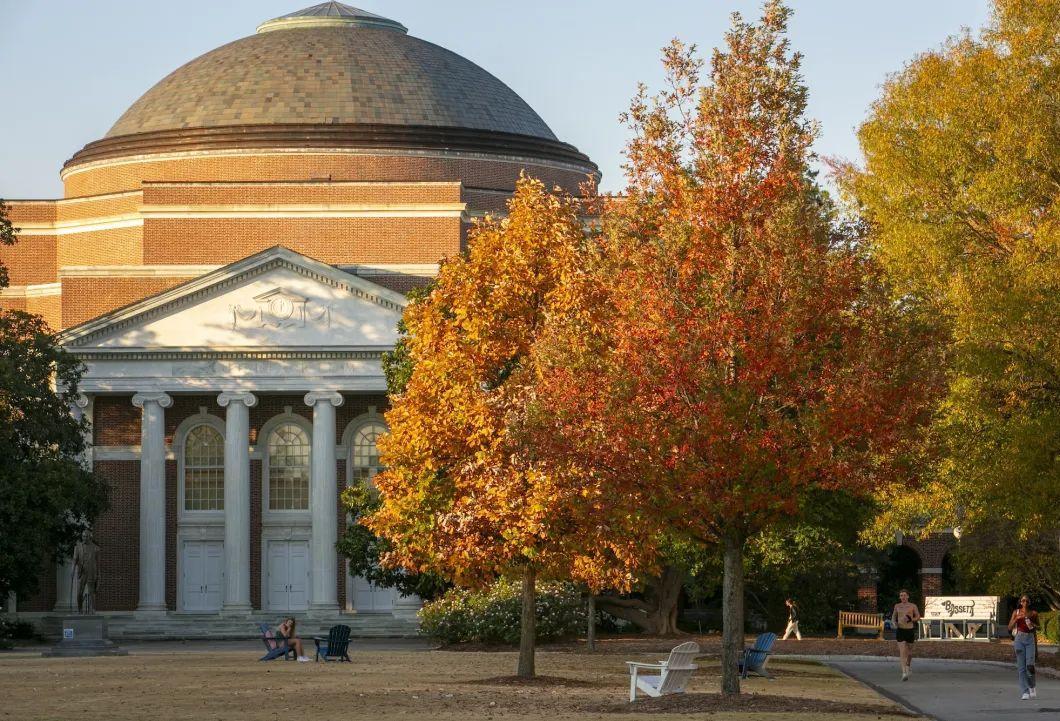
(335, 646)
(275, 644)
(754, 658)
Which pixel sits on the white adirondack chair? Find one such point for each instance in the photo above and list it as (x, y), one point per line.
(673, 674)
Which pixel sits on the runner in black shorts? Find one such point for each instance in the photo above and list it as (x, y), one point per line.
(905, 616)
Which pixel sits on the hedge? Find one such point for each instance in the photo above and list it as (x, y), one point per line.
(492, 615)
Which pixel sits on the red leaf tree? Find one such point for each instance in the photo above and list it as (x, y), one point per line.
(735, 351)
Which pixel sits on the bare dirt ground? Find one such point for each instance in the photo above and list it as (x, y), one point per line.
(387, 685)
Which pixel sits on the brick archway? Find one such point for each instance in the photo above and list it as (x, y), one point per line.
(932, 551)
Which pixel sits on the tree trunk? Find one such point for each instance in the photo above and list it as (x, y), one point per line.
(732, 610)
(590, 636)
(656, 613)
(527, 630)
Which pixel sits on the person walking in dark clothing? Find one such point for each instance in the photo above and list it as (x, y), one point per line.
(793, 620)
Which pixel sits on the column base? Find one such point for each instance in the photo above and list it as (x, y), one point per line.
(66, 609)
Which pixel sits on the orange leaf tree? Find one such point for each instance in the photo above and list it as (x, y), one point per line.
(747, 354)
(465, 492)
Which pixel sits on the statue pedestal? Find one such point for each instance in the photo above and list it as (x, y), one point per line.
(85, 636)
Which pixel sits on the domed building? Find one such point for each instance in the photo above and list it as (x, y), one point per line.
(230, 262)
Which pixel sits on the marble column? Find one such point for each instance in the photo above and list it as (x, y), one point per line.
(324, 502)
(237, 500)
(65, 581)
(152, 502)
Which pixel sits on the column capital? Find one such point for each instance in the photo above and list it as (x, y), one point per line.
(162, 399)
(245, 397)
(332, 397)
(82, 401)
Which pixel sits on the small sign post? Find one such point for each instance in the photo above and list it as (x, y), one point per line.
(959, 618)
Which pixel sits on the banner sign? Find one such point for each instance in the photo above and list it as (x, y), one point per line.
(959, 608)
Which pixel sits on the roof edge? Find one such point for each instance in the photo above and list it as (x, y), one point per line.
(326, 136)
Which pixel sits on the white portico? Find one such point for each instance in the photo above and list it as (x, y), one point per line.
(258, 387)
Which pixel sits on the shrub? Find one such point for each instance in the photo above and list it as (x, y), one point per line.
(15, 630)
(492, 615)
(1050, 625)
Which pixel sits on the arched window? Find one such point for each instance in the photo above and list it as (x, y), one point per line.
(204, 470)
(288, 468)
(365, 452)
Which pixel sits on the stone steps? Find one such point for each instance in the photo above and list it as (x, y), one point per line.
(176, 627)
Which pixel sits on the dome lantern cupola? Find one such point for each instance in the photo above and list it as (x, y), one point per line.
(331, 14)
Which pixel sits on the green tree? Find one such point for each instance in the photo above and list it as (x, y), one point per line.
(961, 190)
(46, 497)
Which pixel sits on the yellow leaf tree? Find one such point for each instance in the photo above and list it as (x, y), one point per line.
(961, 189)
(466, 492)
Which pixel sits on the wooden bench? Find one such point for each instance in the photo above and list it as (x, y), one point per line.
(861, 620)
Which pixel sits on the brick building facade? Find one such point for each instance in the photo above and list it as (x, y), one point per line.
(230, 262)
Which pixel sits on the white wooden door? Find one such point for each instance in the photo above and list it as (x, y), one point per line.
(213, 577)
(369, 598)
(202, 571)
(288, 575)
(298, 576)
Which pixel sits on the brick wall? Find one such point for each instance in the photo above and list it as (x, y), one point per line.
(102, 206)
(258, 193)
(32, 211)
(113, 246)
(331, 240)
(867, 594)
(115, 421)
(32, 259)
(85, 298)
(13, 303)
(48, 307)
(932, 550)
(400, 282)
(478, 172)
(118, 535)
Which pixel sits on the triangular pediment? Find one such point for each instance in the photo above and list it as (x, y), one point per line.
(275, 300)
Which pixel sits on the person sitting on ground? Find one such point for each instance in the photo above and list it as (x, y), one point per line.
(1023, 625)
(793, 620)
(287, 629)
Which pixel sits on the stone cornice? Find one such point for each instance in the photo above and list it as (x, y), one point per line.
(38, 290)
(332, 136)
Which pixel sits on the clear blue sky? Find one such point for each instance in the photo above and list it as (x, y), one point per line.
(71, 67)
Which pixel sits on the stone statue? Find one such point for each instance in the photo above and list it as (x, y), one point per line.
(86, 566)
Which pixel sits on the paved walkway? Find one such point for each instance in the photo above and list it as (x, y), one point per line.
(957, 690)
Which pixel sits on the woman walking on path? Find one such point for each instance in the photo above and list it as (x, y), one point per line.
(793, 620)
(905, 615)
(1024, 627)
